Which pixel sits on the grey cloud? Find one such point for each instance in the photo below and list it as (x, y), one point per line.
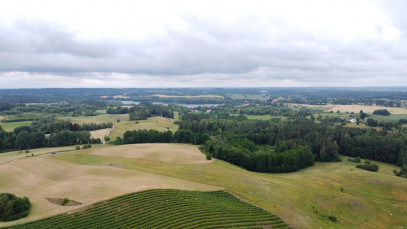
(245, 50)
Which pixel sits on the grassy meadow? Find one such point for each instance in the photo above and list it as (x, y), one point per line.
(155, 123)
(9, 126)
(303, 199)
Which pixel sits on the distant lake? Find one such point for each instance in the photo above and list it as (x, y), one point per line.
(179, 104)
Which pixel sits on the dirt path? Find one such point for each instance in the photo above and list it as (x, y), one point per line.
(108, 132)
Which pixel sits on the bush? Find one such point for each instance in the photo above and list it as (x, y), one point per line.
(77, 147)
(208, 157)
(13, 207)
(64, 201)
(367, 162)
(356, 160)
(87, 146)
(369, 167)
(332, 218)
(402, 173)
(384, 112)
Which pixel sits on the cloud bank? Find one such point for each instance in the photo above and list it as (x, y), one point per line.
(202, 44)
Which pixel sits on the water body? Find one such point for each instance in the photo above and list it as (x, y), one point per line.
(179, 104)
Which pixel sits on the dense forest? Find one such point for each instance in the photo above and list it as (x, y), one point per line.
(386, 97)
(276, 145)
(49, 132)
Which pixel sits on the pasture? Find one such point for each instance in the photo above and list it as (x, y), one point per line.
(303, 199)
(166, 209)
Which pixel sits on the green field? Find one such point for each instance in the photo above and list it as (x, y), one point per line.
(166, 209)
(390, 118)
(155, 123)
(303, 199)
(9, 126)
(98, 118)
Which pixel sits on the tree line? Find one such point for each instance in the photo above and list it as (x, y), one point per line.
(49, 132)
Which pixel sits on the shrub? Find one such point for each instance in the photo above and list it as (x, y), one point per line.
(402, 173)
(332, 218)
(64, 201)
(107, 138)
(369, 167)
(78, 147)
(356, 160)
(27, 151)
(87, 146)
(13, 207)
(208, 157)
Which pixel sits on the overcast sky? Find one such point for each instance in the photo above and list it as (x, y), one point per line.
(202, 43)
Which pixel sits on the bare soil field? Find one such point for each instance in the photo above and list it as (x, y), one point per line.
(43, 177)
(171, 153)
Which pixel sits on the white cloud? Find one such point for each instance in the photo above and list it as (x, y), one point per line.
(201, 43)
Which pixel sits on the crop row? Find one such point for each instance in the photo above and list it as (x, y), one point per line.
(162, 208)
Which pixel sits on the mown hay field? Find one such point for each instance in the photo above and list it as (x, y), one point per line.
(45, 176)
(164, 152)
